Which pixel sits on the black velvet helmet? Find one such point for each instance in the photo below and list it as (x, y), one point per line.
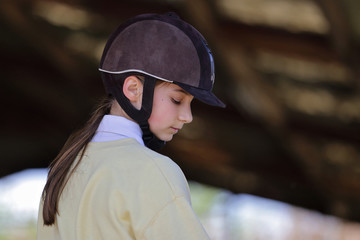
(158, 47)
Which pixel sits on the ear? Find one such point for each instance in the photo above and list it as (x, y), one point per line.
(133, 89)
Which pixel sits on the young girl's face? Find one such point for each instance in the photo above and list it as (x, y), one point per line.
(171, 110)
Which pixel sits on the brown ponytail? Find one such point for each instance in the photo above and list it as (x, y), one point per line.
(61, 165)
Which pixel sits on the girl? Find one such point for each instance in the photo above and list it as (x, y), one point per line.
(107, 182)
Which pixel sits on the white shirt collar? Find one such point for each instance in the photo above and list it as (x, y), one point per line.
(113, 128)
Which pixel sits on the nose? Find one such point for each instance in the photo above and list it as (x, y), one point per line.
(185, 115)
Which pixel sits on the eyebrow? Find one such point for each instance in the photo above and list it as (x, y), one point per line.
(182, 90)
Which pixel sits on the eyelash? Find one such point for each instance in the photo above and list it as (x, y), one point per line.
(176, 102)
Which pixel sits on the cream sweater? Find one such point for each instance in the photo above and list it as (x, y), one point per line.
(123, 190)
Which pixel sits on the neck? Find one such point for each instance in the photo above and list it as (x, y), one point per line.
(118, 111)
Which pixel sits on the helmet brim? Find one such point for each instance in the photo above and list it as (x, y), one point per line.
(202, 95)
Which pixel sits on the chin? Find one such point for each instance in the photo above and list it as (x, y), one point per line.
(166, 138)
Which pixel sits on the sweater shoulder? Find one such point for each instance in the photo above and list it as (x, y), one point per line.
(139, 165)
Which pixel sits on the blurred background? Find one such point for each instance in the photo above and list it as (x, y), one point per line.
(282, 161)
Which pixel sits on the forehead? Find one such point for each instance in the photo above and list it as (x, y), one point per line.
(171, 87)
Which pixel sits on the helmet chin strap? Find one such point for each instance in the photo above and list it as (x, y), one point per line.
(150, 140)
(140, 116)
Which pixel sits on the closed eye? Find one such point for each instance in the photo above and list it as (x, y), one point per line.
(175, 101)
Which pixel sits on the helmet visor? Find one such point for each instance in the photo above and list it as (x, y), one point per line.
(203, 95)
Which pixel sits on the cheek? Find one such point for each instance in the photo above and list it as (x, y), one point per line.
(154, 120)
(157, 113)
(162, 114)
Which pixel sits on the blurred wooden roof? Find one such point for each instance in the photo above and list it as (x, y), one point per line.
(288, 71)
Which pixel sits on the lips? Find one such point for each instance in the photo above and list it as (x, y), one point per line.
(175, 129)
